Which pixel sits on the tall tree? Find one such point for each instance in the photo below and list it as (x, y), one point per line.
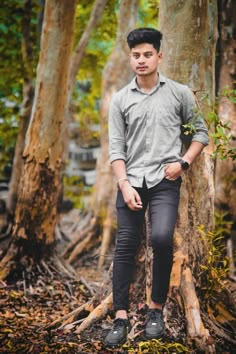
(36, 209)
(189, 57)
(112, 81)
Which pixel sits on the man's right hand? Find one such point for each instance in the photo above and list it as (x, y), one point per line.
(131, 196)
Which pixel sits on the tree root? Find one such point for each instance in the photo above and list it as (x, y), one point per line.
(7, 263)
(219, 332)
(81, 242)
(88, 306)
(99, 312)
(81, 247)
(195, 327)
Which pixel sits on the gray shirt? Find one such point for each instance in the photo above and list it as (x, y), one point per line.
(145, 129)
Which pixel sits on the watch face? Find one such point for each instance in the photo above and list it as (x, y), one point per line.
(184, 165)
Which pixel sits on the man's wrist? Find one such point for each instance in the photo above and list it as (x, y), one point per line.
(184, 164)
(121, 181)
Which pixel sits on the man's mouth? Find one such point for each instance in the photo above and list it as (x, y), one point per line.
(141, 67)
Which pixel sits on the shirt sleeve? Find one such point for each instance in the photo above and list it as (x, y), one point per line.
(116, 131)
(194, 128)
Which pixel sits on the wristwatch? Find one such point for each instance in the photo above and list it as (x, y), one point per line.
(184, 164)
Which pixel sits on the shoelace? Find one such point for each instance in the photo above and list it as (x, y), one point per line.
(119, 322)
(154, 316)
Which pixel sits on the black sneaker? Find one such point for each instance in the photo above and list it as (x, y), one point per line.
(155, 326)
(118, 333)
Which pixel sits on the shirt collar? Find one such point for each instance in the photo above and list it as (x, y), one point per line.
(133, 84)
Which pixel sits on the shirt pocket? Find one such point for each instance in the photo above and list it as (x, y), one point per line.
(168, 116)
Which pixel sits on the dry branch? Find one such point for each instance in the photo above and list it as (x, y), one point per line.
(99, 312)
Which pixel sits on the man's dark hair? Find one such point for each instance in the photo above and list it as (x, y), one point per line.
(145, 35)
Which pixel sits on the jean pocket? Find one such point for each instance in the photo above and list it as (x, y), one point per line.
(120, 203)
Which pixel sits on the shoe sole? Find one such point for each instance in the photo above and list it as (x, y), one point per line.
(156, 337)
(112, 346)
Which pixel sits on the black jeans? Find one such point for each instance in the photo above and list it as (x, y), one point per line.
(163, 201)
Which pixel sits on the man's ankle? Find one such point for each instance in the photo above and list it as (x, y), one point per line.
(122, 314)
(156, 306)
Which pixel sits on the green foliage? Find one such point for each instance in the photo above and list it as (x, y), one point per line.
(13, 70)
(88, 91)
(220, 130)
(76, 191)
(215, 267)
(8, 134)
(12, 66)
(156, 346)
(148, 13)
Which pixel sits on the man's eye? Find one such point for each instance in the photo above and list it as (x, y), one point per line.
(136, 56)
(148, 55)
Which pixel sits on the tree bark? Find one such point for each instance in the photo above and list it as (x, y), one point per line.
(226, 76)
(189, 58)
(36, 209)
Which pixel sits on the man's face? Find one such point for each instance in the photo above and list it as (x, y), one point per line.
(144, 59)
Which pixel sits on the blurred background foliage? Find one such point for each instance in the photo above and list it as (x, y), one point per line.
(13, 67)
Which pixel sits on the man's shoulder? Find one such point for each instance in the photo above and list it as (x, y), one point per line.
(122, 94)
(177, 85)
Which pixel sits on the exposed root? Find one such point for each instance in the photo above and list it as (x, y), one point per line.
(99, 312)
(8, 261)
(88, 306)
(6, 233)
(82, 246)
(195, 327)
(219, 331)
(81, 242)
(76, 229)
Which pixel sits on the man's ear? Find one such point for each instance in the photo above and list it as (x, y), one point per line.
(160, 55)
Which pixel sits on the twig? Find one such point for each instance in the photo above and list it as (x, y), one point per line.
(73, 313)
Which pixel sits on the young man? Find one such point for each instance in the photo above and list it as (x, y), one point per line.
(145, 124)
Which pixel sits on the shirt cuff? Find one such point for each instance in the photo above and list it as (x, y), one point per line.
(117, 156)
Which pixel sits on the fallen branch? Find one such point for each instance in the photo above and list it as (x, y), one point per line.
(88, 306)
(99, 312)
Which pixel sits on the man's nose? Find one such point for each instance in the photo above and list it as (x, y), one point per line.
(141, 59)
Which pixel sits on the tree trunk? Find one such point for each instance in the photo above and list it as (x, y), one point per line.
(189, 58)
(226, 76)
(113, 79)
(117, 73)
(36, 209)
(28, 95)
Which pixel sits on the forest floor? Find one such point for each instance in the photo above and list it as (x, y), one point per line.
(28, 306)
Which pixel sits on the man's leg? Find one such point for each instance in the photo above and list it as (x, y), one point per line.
(130, 225)
(164, 201)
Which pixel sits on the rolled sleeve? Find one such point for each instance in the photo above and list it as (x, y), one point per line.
(116, 130)
(192, 117)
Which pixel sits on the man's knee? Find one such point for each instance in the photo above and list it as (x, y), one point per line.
(162, 240)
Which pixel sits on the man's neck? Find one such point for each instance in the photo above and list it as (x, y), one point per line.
(147, 83)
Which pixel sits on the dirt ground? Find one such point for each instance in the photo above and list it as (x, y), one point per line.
(30, 305)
